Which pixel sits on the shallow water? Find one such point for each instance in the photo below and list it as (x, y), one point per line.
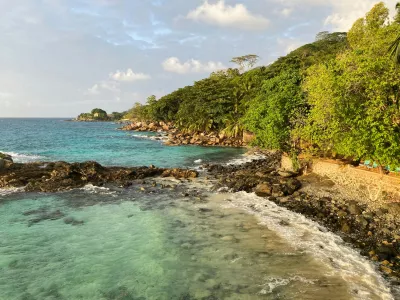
(157, 244)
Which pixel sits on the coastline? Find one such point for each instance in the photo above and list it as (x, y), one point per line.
(176, 137)
(370, 232)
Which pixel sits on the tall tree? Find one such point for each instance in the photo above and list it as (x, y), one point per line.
(246, 61)
(394, 48)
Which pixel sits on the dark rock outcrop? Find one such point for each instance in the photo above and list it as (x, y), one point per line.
(259, 176)
(60, 176)
(5, 161)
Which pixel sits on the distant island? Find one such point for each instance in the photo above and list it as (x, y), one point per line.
(100, 115)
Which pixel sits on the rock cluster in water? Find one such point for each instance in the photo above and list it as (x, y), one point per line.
(5, 161)
(376, 232)
(177, 137)
(60, 176)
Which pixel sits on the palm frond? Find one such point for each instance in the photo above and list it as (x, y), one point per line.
(394, 50)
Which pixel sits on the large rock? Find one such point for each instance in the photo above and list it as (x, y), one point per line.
(263, 190)
(353, 208)
(292, 185)
(5, 161)
(6, 157)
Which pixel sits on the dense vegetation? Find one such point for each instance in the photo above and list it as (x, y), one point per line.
(338, 96)
(97, 114)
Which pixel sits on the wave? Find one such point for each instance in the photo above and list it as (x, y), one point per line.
(9, 191)
(24, 158)
(92, 189)
(161, 138)
(310, 237)
(273, 282)
(245, 158)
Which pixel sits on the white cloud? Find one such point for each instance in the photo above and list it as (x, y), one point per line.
(286, 12)
(173, 64)
(237, 16)
(128, 76)
(113, 83)
(6, 95)
(97, 88)
(343, 12)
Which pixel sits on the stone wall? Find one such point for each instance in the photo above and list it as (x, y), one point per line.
(362, 184)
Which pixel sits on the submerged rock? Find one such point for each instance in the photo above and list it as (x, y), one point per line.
(72, 221)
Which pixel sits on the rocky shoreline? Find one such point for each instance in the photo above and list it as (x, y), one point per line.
(63, 176)
(375, 232)
(176, 137)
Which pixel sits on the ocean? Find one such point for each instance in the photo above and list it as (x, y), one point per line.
(161, 238)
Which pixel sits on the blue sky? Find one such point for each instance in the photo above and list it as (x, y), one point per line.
(62, 57)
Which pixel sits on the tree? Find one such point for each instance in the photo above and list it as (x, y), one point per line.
(354, 99)
(397, 17)
(321, 36)
(394, 48)
(246, 61)
(270, 113)
(99, 114)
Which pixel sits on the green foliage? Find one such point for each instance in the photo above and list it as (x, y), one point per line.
(245, 61)
(270, 113)
(99, 114)
(355, 99)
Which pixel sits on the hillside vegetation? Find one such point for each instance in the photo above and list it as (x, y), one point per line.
(338, 96)
(97, 114)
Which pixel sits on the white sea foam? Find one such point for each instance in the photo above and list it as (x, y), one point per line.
(9, 191)
(271, 283)
(245, 158)
(24, 158)
(198, 161)
(308, 236)
(92, 189)
(151, 137)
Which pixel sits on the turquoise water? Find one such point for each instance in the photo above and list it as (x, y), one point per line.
(56, 139)
(160, 239)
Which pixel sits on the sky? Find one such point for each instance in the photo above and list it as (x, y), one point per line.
(59, 58)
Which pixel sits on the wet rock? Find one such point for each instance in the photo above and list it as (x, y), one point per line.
(205, 210)
(277, 190)
(292, 185)
(353, 208)
(284, 223)
(346, 228)
(263, 190)
(179, 173)
(72, 221)
(385, 252)
(54, 215)
(5, 161)
(287, 174)
(61, 176)
(362, 221)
